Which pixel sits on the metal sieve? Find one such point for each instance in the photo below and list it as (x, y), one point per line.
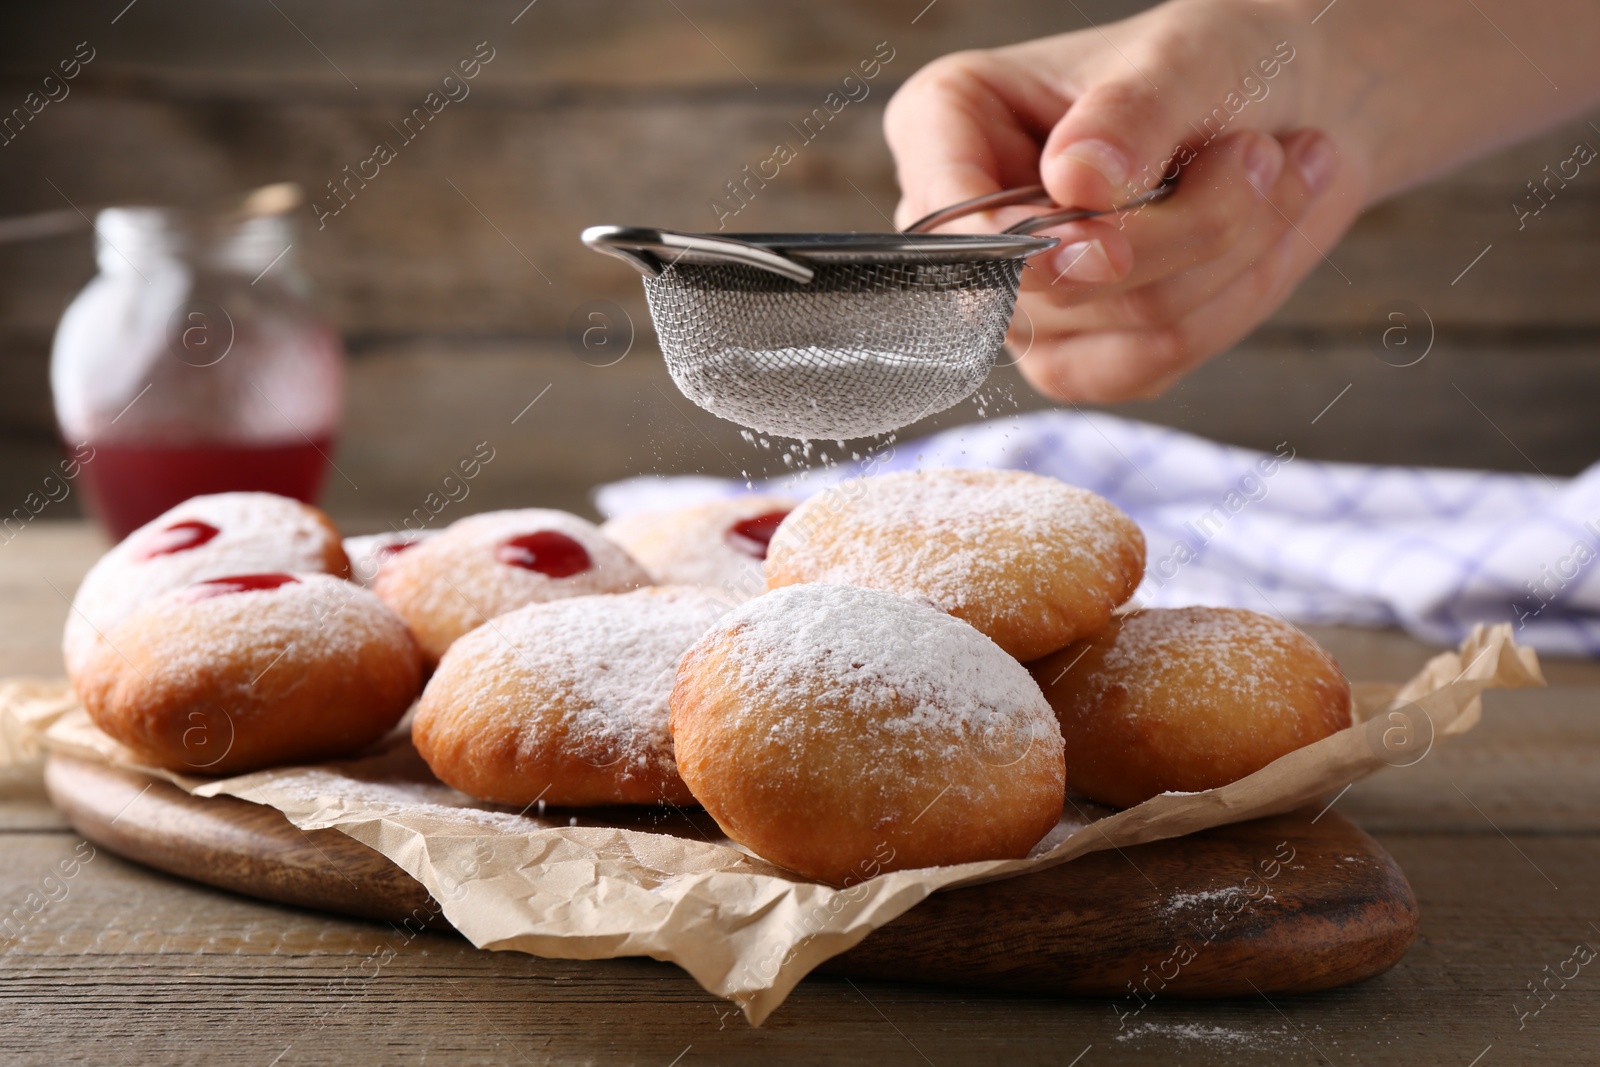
(835, 335)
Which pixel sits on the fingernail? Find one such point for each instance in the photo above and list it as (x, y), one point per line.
(1317, 160)
(1084, 261)
(1263, 162)
(1101, 157)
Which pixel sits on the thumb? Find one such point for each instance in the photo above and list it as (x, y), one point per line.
(1115, 142)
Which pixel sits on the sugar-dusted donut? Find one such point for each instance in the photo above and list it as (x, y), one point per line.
(717, 545)
(842, 732)
(486, 565)
(1032, 562)
(1185, 699)
(203, 537)
(248, 671)
(565, 701)
(368, 552)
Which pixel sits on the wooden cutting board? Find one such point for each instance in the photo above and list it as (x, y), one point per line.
(1291, 903)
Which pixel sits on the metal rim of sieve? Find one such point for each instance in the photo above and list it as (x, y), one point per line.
(793, 255)
(790, 255)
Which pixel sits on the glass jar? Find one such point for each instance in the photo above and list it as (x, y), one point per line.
(193, 363)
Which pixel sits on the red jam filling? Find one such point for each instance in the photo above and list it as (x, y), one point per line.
(394, 549)
(752, 536)
(238, 583)
(548, 552)
(179, 537)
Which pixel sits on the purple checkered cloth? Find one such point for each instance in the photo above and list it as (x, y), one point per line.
(1435, 551)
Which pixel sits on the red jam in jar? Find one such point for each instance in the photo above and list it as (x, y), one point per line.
(179, 537)
(752, 536)
(548, 552)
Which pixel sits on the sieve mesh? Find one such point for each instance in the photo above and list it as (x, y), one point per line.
(863, 349)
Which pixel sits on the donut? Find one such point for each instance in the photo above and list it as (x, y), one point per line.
(203, 537)
(368, 552)
(1032, 562)
(843, 732)
(717, 545)
(247, 671)
(565, 701)
(1185, 699)
(486, 565)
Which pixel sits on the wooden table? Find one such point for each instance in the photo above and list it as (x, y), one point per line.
(1499, 832)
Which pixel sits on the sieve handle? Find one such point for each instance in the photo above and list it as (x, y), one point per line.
(1031, 194)
(651, 251)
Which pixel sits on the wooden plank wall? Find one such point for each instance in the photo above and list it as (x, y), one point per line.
(453, 274)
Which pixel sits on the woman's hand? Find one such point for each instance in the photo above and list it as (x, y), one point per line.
(1209, 90)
